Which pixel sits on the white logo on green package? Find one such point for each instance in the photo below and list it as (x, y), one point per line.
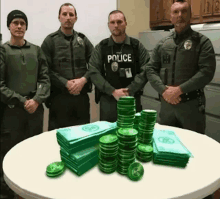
(90, 128)
(166, 140)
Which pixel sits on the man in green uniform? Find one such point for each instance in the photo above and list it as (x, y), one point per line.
(181, 65)
(117, 67)
(24, 86)
(68, 53)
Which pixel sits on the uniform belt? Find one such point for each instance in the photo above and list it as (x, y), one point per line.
(191, 95)
(138, 93)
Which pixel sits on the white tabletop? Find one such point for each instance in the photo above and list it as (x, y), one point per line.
(25, 166)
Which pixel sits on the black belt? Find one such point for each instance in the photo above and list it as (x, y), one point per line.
(138, 93)
(192, 95)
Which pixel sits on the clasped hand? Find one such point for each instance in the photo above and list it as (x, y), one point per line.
(75, 86)
(31, 106)
(172, 95)
(117, 93)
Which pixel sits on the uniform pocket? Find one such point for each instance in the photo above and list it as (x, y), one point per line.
(64, 63)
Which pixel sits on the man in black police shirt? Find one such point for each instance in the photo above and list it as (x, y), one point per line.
(117, 67)
(68, 53)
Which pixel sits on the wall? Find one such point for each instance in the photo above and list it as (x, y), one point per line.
(137, 13)
(43, 17)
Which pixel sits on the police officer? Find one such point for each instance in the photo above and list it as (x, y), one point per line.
(181, 65)
(24, 86)
(117, 67)
(68, 53)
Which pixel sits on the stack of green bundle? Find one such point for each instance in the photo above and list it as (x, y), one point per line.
(127, 146)
(79, 144)
(108, 150)
(81, 161)
(126, 110)
(76, 138)
(137, 120)
(146, 126)
(169, 150)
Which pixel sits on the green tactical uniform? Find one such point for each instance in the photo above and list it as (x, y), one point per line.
(67, 57)
(23, 75)
(188, 60)
(106, 76)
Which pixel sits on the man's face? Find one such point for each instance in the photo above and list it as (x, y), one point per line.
(180, 15)
(117, 24)
(67, 17)
(18, 27)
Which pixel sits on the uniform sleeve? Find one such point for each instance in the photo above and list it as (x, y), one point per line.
(153, 69)
(55, 78)
(140, 79)
(206, 65)
(89, 49)
(95, 66)
(8, 96)
(43, 81)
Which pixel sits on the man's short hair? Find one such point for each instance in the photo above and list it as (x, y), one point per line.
(67, 4)
(114, 12)
(183, 1)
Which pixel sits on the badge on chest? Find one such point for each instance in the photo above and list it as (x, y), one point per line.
(188, 44)
(123, 72)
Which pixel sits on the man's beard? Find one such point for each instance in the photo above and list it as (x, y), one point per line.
(119, 33)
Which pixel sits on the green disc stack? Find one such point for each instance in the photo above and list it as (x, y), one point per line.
(55, 169)
(108, 150)
(126, 112)
(146, 126)
(144, 153)
(137, 120)
(127, 142)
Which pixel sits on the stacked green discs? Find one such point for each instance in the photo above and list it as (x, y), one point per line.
(127, 146)
(126, 112)
(135, 171)
(144, 153)
(137, 120)
(146, 126)
(108, 150)
(55, 169)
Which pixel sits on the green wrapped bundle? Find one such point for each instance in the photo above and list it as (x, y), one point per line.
(76, 138)
(169, 150)
(81, 161)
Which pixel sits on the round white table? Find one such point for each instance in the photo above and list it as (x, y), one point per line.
(25, 166)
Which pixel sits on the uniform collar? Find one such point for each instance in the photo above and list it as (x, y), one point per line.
(62, 34)
(26, 45)
(184, 34)
(126, 41)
